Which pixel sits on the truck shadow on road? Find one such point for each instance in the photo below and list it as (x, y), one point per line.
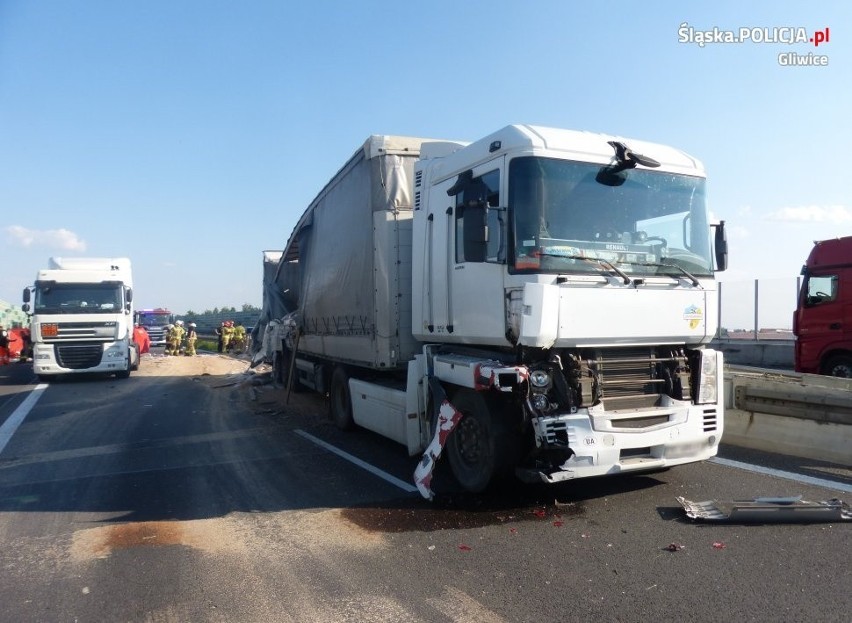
(510, 502)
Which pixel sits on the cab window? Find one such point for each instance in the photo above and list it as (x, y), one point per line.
(820, 289)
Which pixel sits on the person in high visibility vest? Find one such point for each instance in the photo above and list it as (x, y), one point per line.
(171, 339)
(180, 332)
(239, 340)
(227, 335)
(191, 339)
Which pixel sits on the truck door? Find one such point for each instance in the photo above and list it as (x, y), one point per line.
(477, 308)
(820, 320)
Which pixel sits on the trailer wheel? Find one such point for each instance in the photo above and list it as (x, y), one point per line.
(838, 365)
(479, 448)
(339, 400)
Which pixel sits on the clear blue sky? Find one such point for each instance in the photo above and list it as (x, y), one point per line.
(190, 135)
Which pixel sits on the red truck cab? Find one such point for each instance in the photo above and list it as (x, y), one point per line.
(822, 322)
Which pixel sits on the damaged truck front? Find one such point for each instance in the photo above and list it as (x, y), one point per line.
(537, 303)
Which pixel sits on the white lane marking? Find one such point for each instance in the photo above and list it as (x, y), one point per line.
(409, 488)
(809, 480)
(11, 425)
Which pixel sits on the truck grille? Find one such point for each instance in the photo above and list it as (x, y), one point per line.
(636, 378)
(73, 331)
(156, 334)
(78, 356)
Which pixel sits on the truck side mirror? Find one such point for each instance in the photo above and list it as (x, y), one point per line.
(26, 295)
(462, 182)
(720, 246)
(129, 295)
(25, 307)
(475, 233)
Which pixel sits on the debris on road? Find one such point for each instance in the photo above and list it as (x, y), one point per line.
(768, 510)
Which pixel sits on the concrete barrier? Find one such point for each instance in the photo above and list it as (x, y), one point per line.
(801, 415)
(763, 353)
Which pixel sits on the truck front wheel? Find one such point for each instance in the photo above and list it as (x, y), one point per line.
(838, 365)
(478, 448)
(339, 400)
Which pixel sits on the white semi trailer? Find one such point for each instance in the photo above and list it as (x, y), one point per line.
(539, 301)
(82, 317)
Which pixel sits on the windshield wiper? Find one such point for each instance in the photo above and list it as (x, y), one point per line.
(692, 278)
(604, 263)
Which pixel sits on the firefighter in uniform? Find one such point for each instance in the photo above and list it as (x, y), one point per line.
(227, 335)
(191, 339)
(171, 336)
(179, 334)
(239, 338)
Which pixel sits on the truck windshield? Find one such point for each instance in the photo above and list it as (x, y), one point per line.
(153, 320)
(75, 298)
(565, 213)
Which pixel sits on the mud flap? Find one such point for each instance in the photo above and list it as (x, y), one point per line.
(447, 418)
(768, 510)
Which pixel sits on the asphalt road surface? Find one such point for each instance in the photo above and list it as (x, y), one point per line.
(188, 493)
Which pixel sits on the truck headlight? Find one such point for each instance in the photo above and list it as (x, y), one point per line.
(708, 378)
(540, 379)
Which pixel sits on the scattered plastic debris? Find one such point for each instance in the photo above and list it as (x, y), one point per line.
(674, 547)
(768, 510)
(465, 548)
(718, 545)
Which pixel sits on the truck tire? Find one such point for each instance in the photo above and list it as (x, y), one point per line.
(340, 401)
(838, 365)
(479, 449)
(124, 374)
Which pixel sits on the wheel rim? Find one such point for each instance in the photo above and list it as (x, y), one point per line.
(469, 441)
(842, 370)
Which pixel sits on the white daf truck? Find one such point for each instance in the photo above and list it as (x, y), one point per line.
(82, 317)
(537, 303)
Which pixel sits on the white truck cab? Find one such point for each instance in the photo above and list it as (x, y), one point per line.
(82, 317)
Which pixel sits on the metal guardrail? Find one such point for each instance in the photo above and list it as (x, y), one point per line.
(802, 402)
(803, 415)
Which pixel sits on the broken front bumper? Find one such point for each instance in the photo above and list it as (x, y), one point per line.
(597, 443)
